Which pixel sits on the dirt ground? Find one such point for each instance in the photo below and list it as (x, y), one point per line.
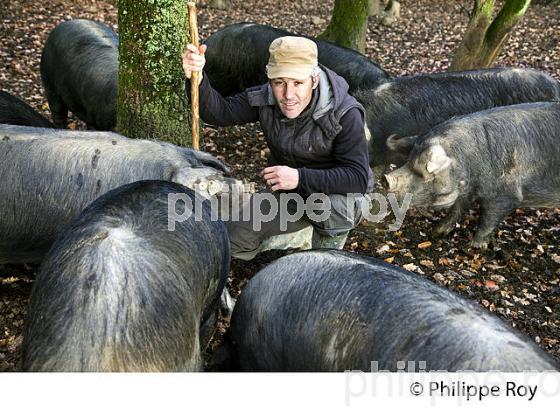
(519, 279)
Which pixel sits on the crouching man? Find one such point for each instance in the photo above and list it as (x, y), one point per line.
(315, 132)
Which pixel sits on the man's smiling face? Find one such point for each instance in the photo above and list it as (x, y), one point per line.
(293, 95)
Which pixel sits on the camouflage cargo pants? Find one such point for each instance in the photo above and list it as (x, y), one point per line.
(269, 214)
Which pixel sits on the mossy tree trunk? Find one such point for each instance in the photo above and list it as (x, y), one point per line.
(152, 102)
(484, 37)
(348, 24)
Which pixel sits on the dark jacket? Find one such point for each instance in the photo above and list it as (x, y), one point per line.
(326, 143)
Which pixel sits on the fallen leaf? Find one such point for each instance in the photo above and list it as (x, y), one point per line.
(413, 268)
(490, 284)
(494, 266)
(498, 278)
(445, 261)
(382, 249)
(424, 245)
(439, 277)
(426, 262)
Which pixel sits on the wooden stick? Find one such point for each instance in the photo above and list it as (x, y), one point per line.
(193, 28)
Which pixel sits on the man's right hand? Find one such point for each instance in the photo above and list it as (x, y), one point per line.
(194, 60)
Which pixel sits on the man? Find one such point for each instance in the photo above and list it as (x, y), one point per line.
(315, 132)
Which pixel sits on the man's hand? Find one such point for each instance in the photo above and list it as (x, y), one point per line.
(280, 177)
(194, 60)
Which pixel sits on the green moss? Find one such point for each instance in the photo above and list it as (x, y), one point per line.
(485, 38)
(511, 12)
(348, 24)
(152, 101)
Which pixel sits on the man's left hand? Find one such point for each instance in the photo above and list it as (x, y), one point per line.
(280, 177)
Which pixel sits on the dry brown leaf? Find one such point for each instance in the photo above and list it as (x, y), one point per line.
(445, 262)
(494, 266)
(439, 277)
(498, 278)
(426, 262)
(476, 264)
(424, 245)
(490, 284)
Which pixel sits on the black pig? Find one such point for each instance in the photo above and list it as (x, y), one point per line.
(505, 157)
(119, 291)
(79, 71)
(334, 311)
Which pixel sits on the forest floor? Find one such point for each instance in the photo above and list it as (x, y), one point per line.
(519, 279)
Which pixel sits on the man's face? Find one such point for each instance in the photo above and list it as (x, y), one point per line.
(293, 95)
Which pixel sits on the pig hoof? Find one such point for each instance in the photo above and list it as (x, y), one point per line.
(479, 244)
(227, 303)
(441, 231)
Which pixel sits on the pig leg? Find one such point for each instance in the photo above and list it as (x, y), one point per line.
(59, 110)
(447, 224)
(491, 214)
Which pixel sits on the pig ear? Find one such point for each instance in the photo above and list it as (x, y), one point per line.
(210, 161)
(438, 159)
(396, 143)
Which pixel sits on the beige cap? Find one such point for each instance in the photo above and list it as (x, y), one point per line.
(291, 57)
